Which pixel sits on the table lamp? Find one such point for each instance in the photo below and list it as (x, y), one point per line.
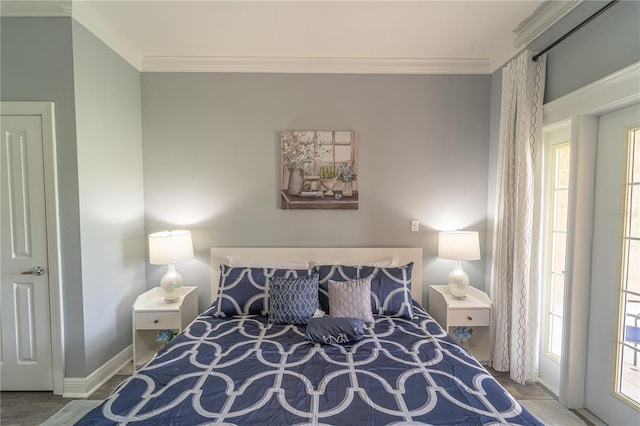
(169, 248)
(459, 246)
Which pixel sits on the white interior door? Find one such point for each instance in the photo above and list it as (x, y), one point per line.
(606, 252)
(26, 355)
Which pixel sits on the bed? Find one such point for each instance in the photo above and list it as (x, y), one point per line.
(256, 361)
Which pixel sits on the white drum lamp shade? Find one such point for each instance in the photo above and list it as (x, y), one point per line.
(169, 248)
(459, 246)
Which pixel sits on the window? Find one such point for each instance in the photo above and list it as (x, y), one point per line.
(558, 202)
(628, 346)
(339, 147)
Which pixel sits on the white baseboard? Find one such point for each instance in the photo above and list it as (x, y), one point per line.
(84, 387)
(548, 387)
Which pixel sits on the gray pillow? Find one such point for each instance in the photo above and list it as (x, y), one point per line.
(351, 299)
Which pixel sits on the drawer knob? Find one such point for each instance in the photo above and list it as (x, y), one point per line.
(469, 318)
(155, 321)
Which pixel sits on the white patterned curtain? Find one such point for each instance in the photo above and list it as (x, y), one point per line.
(516, 242)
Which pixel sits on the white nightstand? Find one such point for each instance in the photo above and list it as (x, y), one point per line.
(151, 313)
(473, 312)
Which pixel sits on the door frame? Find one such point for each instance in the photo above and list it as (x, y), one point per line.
(46, 112)
(580, 110)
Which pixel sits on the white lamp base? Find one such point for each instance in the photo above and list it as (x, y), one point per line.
(458, 282)
(171, 283)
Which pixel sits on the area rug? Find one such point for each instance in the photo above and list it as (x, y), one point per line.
(72, 412)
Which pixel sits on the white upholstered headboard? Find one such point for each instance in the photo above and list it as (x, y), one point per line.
(321, 256)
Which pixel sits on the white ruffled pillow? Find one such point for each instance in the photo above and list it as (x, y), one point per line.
(241, 262)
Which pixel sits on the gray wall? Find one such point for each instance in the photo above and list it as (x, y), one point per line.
(211, 161)
(99, 152)
(113, 240)
(211, 164)
(37, 65)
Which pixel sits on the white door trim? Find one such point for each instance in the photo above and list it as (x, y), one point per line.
(615, 91)
(46, 112)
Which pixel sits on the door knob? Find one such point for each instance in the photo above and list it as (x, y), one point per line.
(38, 270)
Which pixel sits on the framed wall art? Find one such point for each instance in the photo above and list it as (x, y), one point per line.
(319, 169)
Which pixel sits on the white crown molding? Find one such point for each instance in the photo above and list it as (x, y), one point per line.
(547, 14)
(543, 18)
(615, 91)
(504, 55)
(57, 8)
(314, 65)
(80, 10)
(86, 16)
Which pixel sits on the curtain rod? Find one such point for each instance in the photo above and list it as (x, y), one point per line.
(574, 29)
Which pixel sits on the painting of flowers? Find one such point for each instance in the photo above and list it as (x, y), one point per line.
(319, 169)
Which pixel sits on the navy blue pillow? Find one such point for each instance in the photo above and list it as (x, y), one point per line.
(390, 290)
(334, 330)
(245, 291)
(293, 300)
(334, 273)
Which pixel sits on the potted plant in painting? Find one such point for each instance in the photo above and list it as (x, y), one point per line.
(299, 151)
(347, 174)
(328, 176)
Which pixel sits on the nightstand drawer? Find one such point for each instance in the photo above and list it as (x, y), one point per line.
(157, 320)
(469, 317)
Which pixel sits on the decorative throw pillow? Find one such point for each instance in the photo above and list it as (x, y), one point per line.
(245, 291)
(293, 300)
(335, 273)
(390, 290)
(334, 330)
(351, 299)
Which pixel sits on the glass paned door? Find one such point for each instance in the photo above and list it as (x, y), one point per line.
(555, 210)
(559, 201)
(611, 381)
(628, 348)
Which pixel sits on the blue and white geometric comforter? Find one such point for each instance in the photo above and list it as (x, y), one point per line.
(244, 371)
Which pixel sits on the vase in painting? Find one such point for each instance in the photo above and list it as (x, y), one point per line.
(328, 185)
(347, 189)
(296, 180)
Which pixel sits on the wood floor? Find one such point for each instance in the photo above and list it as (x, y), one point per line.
(543, 404)
(33, 408)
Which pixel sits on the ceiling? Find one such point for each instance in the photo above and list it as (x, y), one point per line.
(412, 37)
